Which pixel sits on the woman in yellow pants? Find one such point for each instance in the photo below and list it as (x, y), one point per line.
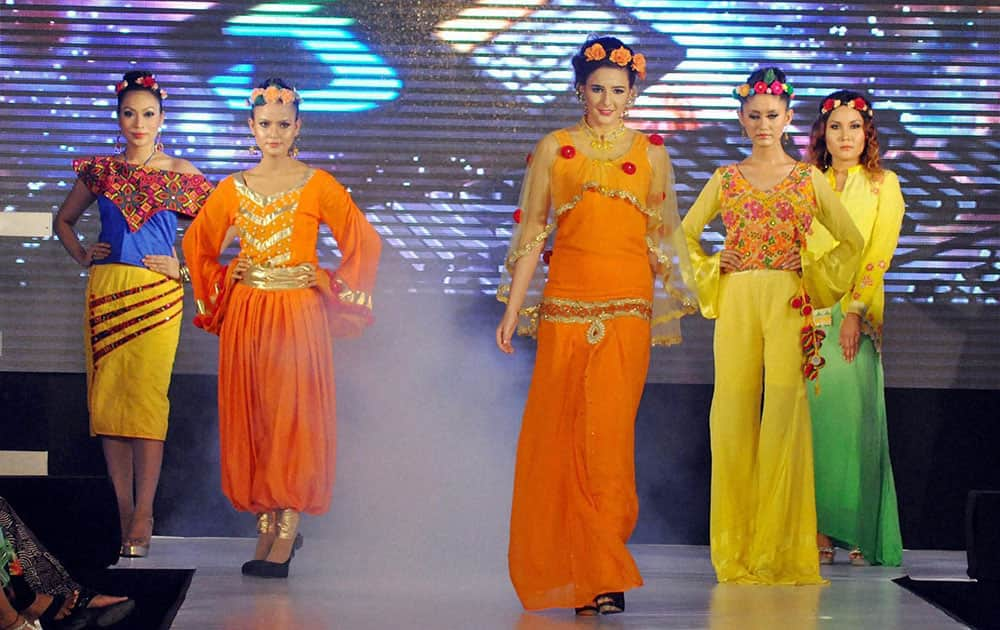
(762, 288)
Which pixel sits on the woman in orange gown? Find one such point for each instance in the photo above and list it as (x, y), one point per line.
(603, 195)
(276, 313)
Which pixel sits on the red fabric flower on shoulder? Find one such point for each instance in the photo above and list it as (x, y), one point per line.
(656, 139)
(517, 216)
(527, 160)
(547, 256)
(568, 151)
(629, 168)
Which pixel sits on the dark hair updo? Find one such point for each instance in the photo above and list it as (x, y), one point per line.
(278, 84)
(136, 80)
(584, 67)
(819, 155)
(766, 77)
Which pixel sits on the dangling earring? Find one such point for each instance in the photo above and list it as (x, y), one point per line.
(743, 132)
(157, 146)
(294, 151)
(784, 138)
(253, 149)
(118, 144)
(628, 104)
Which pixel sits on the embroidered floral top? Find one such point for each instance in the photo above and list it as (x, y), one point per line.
(608, 233)
(877, 209)
(764, 225)
(139, 206)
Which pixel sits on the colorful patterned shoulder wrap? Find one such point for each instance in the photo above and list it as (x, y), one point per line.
(140, 192)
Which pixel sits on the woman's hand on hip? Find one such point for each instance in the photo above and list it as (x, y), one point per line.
(167, 265)
(240, 266)
(97, 251)
(730, 261)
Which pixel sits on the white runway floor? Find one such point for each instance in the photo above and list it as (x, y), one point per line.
(680, 592)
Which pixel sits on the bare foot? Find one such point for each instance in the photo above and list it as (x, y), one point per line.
(102, 601)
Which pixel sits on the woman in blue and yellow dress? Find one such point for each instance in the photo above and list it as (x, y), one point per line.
(134, 296)
(761, 290)
(855, 490)
(603, 194)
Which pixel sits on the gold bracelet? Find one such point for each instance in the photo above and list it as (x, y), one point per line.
(185, 274)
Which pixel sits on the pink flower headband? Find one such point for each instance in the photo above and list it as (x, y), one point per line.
(148, 81)
(770, 85)
(858, 104)
(620, 56)
(273, 94)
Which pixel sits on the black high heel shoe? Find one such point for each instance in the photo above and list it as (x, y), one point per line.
(610, 603)
(590, 610)
(288, 522)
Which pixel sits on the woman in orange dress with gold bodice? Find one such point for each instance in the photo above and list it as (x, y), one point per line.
(276, 313)
(603, 196)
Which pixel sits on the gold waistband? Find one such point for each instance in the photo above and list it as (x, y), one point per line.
(568, 311)
(279, 278)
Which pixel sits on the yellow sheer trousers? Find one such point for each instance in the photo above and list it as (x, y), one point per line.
(763, 521)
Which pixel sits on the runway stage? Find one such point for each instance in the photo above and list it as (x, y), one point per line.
(680, 592)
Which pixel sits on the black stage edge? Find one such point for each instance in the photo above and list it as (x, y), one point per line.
(158, 593)
(943, 444)
(976, 604)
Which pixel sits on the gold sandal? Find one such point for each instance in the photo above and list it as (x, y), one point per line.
(857, 558)
(827, 555)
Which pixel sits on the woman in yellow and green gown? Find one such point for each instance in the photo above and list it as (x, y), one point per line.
(855, 491)
(761, 290)
(598, 206)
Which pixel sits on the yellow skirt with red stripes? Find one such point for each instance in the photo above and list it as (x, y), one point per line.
(131, 329)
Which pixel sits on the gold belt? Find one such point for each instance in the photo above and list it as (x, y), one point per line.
(279, 278)
(569, 311)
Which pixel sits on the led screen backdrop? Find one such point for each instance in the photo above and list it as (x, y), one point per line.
(426, 111)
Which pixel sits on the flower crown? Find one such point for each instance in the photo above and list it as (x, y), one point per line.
(858, 104)
(620, 56)
(273, 94)
(148, 81)
(769, 85)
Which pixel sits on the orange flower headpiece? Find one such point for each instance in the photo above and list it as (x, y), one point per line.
(148, 82)
(273, 94)
(620, 56)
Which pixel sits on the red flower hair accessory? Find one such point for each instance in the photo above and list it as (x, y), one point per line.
(857, 104)
(147, 81)
(770, 85)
